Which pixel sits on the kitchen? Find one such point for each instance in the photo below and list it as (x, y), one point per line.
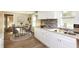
(52, 29)
(58, 29)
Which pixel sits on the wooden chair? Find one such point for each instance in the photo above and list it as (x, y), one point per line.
(15, 31)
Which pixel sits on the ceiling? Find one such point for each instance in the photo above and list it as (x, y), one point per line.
(23, 12)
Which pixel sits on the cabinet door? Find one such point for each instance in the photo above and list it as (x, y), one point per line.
(68, 44)
(37, 34)
(51, 40)
(42, 15)
(59, 42)
(50, 14)
(46, 15)
(40, 34)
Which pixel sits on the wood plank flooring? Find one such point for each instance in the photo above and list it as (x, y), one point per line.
(32, 42)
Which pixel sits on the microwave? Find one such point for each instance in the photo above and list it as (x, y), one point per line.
(76, 25)
(76, 28)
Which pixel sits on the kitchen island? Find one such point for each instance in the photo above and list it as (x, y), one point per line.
(57, 38)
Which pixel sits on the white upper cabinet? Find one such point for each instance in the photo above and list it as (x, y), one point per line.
(76, 21)
(68, 18)
(47, 15)
(68, 14)
(72, 15)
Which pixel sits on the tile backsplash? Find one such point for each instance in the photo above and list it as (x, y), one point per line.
(49, 23)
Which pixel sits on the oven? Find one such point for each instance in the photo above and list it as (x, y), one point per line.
(76, 28)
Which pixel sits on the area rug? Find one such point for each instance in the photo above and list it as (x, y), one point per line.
(24, 37)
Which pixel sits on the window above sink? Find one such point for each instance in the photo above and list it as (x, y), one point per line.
(68, 14)
(68, 19)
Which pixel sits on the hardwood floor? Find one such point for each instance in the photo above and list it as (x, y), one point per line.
(32, 42)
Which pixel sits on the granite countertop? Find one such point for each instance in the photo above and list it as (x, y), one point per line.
(59, 31)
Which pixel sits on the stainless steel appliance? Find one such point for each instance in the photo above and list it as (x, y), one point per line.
(76, 28)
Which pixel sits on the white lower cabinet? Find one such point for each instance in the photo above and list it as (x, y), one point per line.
(68, 44)
(54, 40)
(59, 43)
(40, 34)
(51, 40)
(37, 34)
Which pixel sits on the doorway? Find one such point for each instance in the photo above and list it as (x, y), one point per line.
(8, 22)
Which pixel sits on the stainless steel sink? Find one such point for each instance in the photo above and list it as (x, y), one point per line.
(69, 33)
(62, 31)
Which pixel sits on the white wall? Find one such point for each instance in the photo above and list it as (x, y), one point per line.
(1, 22)
(20, 18)
(76, 18)
(1, 30)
